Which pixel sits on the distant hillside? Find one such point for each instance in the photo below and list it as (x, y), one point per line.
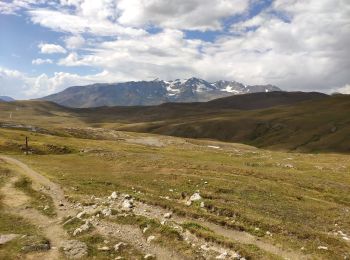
(149, 93)
(6, 99)
(294, 121)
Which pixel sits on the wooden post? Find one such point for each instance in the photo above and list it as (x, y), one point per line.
(27, 145)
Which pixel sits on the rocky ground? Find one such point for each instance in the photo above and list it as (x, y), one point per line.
(125, 223)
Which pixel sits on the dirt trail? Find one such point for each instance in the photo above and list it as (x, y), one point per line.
(133, 234)
(54, 231)
(16, 202)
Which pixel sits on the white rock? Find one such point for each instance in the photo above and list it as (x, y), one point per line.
(202, 204)
(7, 238)
(195, 197)
(82, 228)
(81, 214)
(145, 229)
(127, 196)
(222, 256)
(322, 248)
(104, 248)
(148, 256)
(188, 203)
(205, 247)
(107, 212)
(118, 246)
(150, 239)
(168, 215)
(114, 195)
(128, 204)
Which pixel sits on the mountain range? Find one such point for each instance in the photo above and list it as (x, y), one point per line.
(6, 99)
(155, 92)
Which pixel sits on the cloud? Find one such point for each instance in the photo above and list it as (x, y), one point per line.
(296, 45)
(344, 90)
(51, 48)
(41, 61)
(76, 23)
(182, 14)
(74, 42)
(22, 86)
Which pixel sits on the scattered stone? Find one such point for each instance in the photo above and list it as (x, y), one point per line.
(222, 256)
(150, 239)
(202, 204)
(145, 230)
(148, 256)
(46, 207)
(81, 214)
(118, 246)
(37, 245)
(74, 249)
(289, 166)
(82, 228)
(7, 238)
(205, 247)
(61, 204)
(104, 248)
(127, 196)
(188, 203)
(128, 204)
(168, 215)
(195, 197)
(113, 195)
(107, 212)
(269, 233)
(322, 248)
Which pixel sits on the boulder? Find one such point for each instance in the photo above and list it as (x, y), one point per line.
(118, 246)
(7, 238)
(150, 239)
(74, 249)
(168, 215)
(195, 197)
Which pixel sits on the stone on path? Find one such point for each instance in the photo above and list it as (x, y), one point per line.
(7, 238)
(74, 249)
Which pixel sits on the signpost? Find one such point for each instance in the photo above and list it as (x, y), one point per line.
(27, 149)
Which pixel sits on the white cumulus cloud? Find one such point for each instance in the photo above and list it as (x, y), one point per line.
(40, 61)
(48, 48)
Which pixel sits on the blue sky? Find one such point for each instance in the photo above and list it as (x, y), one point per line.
(46, 45)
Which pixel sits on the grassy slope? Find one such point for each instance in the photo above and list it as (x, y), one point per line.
(247, 188)
(320, 125)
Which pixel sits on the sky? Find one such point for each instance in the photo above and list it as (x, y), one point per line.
(49, 45)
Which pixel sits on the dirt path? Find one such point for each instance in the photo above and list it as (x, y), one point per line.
(54, 231)
(16, 202)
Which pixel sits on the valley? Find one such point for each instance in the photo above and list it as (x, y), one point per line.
(91, 188)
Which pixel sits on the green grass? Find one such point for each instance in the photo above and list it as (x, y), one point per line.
(38, 200)
(247, 188)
